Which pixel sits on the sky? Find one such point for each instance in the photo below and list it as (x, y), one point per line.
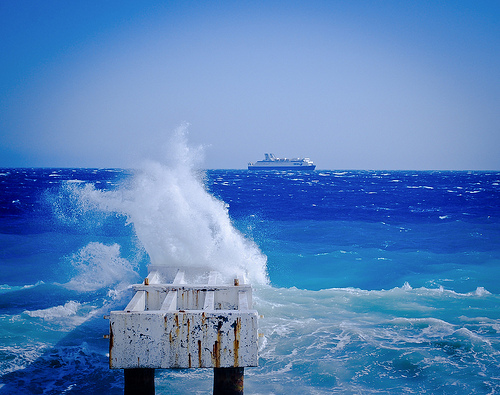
(386, 85)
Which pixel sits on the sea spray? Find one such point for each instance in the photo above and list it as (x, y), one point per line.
(176, 220)
(180, 224)
(98, 266)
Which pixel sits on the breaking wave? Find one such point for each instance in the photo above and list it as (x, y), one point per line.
(175, 219)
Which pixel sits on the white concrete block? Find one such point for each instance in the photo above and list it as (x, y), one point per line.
(181, 325)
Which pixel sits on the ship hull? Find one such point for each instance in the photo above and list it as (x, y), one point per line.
(291, 167)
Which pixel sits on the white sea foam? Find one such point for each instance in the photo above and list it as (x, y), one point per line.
(61, 318)
(480, 291)
(419, 187)
(181, 224)
(10, 288)
(98, 266)
(177, 221)
(19, 356)
(68, 309)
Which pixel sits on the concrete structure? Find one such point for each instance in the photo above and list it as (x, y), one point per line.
(185, 318)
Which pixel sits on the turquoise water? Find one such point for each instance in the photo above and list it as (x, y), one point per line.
(368, 282)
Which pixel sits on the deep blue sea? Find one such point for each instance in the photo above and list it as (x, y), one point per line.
(369, 282)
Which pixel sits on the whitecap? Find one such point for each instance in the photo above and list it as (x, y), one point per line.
(176, 220)
(480, 291)
(100, 266)
(17, 357)
(4, 288)
(68, 309)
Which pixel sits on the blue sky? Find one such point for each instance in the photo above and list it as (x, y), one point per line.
(350, 84)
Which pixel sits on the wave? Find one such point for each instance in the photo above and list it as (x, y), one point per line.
(68, 309)
(175, 219)
(406, 288)
(61, 319)
(62, 369)
(100, 266)
(347, 337)
(19, 356)
(4, 288)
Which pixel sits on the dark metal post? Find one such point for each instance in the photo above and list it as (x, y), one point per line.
(228, 381)
(140, 381)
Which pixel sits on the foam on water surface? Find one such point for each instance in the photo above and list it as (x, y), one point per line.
(98, 266)
(176, 220)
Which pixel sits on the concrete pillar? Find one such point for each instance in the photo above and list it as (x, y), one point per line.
(228, 381)
(139, 381)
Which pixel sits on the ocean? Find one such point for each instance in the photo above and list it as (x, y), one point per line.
(368, 282)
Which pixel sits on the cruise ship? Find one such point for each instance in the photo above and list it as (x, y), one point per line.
(272, 163)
